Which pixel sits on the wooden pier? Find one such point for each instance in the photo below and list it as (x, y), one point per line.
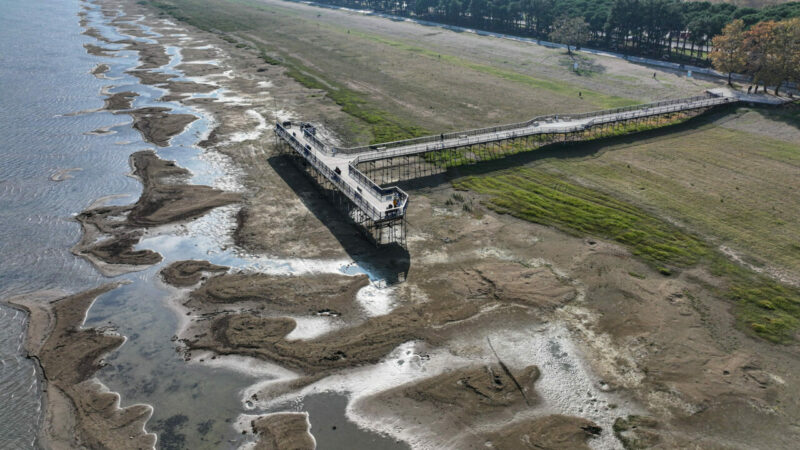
(354, 177)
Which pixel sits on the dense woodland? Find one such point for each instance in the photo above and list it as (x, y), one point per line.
(668, 29)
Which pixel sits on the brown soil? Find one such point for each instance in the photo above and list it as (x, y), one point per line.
(95, 33)
(120, 100)
(157, 125)
(98, 51)
(100, 69)
(150, 77)
(187, 87)
(555, 432)
(109, 233)
(365, 342)
(471, 395)
(152, 56)
(81, 413)
(189, 273)
(281, 294)
(284, 431)
(198, 69)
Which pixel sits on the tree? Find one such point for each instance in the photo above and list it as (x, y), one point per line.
(729, 53)
(773, 51)
(785, 46)
(571, 31)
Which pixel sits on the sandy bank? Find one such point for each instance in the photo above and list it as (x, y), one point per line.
(80, 412)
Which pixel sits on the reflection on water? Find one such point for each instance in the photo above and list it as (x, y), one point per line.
(48, 110)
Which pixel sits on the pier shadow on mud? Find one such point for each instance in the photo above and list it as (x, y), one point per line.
(387, 262)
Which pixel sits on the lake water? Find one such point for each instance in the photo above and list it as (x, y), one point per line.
(48, 105)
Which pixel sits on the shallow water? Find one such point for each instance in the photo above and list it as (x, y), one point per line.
(49, 110)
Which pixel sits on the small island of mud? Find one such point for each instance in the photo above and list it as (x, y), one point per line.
(189, 273)
(120, 101)
(157, 125)
(100, 70)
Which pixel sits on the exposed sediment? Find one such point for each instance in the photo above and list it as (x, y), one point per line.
(157, 125)
(189, 273)
(283, 431)
(150, 77)
(663, 340)
(100, 70)
(554, 431)
(80, 412)
(120, 100)
(111, 232)
(259, 333)
(96, 50)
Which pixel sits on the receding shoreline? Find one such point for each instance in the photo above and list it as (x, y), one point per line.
(79, 410)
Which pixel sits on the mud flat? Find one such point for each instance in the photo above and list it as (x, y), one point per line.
(80, 411)
(100, 70)
(111, 232)
(189, 273)
(96, 50)
(157, 125)
(283, 431)
(120, 100)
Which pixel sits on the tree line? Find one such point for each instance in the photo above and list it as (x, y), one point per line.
(667, 29)
(769, 51)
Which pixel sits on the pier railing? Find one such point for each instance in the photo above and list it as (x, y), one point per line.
(532, 122)
(465, 139)
(395, 192)
(356, 197)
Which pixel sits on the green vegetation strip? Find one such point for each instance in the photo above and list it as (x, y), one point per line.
(537, 196)
(764, 306)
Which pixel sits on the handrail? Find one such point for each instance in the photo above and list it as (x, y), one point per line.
(548, 118)
(314, 140)
(609, 116)
(334, 178)
(463, 139)
(367, 182)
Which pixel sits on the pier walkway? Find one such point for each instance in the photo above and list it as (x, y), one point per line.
(377, 208)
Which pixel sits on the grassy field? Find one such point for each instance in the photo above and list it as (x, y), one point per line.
(737, 189)
(734, 189)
